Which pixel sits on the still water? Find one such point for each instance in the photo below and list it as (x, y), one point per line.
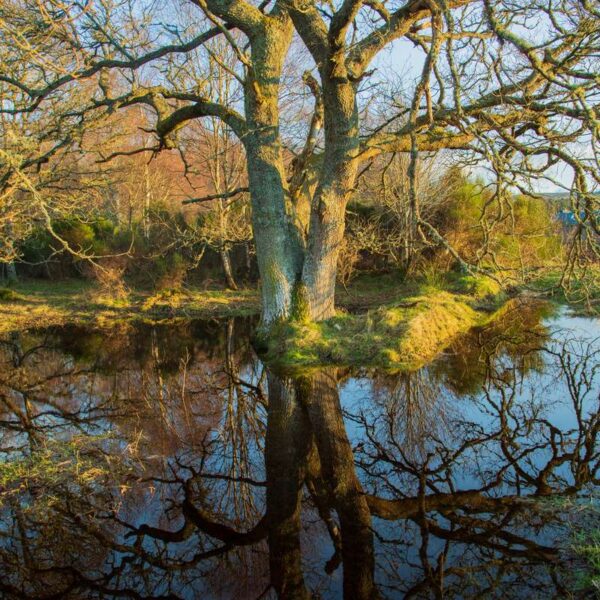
(166, 461)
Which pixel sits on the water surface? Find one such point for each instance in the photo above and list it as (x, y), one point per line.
(166, 461)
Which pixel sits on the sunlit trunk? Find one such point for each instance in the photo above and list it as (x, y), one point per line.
(320, 267)
(278, 240)
(227, 269)
(297, 277)
(336, 181)
(278, 246)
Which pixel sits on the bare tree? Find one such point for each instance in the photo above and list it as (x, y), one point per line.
(221, 156)
(513, 84)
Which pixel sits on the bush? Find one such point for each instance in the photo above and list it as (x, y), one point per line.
(8, 295)
(171, 271)
(522, 231)
(110, 279)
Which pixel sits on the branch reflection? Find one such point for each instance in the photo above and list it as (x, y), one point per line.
(167, 461)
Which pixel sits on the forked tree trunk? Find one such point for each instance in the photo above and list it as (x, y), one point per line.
(297, 277)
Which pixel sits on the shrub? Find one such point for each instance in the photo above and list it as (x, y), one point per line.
(171, 271)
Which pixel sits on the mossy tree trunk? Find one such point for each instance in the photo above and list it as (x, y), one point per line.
(298, 268)
(336, 181)
(279, 244)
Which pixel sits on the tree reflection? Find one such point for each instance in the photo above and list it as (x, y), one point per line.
(168, 462)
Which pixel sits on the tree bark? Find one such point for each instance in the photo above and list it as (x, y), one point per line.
(248, 259)
(336, 181)
(226, 262)
(279, 246)
(11, 269)
(11, 272)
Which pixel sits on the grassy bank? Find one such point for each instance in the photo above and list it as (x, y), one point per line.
(43, 304)
(581, 294)
(39, 303)
(404, 333)
(382, 320)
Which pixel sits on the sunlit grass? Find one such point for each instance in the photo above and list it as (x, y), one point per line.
(37, 303)
(406, 332)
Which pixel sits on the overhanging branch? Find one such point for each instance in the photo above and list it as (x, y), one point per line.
(223, 196)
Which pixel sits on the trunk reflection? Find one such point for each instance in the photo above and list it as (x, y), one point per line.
(167, 461)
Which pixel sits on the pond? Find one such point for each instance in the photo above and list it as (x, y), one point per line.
(166, 461)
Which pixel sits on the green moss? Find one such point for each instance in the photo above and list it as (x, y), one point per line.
(404, 334)
(477, 286)
(300, 304)
(8, 295)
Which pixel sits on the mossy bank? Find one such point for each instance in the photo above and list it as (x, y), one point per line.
(399, 326)
(403, 334)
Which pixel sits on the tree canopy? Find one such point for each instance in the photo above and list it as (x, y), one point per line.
(319, 91)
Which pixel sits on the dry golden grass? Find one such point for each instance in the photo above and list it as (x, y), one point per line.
(43, 304)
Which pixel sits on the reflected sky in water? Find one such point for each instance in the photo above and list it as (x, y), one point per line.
(166, 461)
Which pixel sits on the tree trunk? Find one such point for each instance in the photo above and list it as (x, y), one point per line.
(248, 259)
(11, 272)
(279, 245)
(336, 181)
(226, 261)
(297, 279)
(11, 269)
(146, 208)
(320, 267)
